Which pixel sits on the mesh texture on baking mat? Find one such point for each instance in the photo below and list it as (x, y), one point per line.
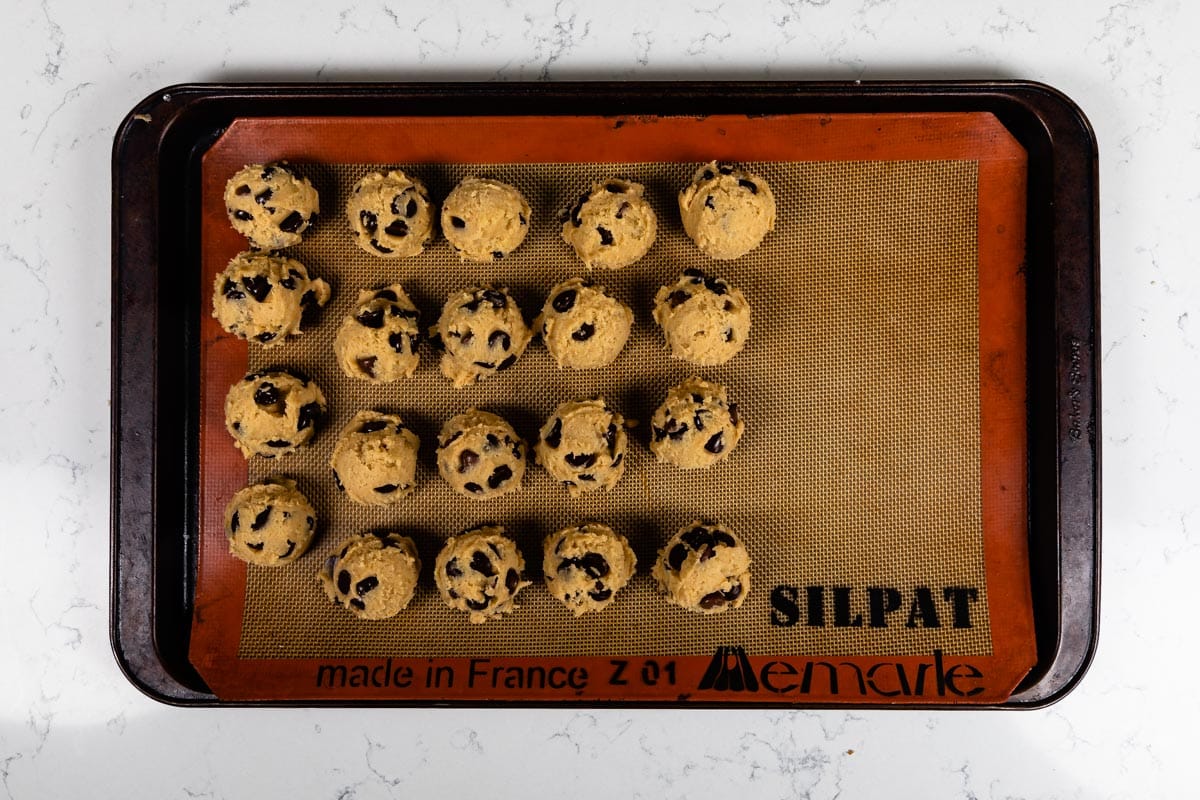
(859, 385)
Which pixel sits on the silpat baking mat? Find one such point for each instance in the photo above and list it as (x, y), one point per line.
(877, 486)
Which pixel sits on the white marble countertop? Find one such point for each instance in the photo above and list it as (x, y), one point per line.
(70, 724)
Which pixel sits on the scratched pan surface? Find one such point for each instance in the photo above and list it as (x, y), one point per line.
(157, 517)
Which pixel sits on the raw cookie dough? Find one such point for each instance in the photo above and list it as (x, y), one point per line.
(270, 205)
(391, 215)
(273, 413)
(373, 575)
(485, 220)
(375, 459)
(611, 225)
(483, 332)
(269, 523)
(726, 210)
(704, 319)
(586, 566)
(480, 455)
(582, 445)
(703, 568)
(378, 339)
(583, 326)
(479, 571)
(696, 426)
(265, 297)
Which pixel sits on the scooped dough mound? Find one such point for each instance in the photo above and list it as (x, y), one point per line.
(704, 319)
(586, 566)
(482, 331)
(265, 298)
(480, 455)
(726, 210)
(378, 339)
(611, 225)
(582, 445)
(273, 413)
(704, 568)
(373, 575)
(479, 572)
(485, 220)
(375, 459)
(391, 215)
(583, 326)
(270, 523)
(271, 205)
(696, 426)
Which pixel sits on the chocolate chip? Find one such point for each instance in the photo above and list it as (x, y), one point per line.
(244, 216)
(337, 480)
(615, 188)
(370, 318)
(580, 460)
(386, 488)
(563, 302)
(343, 582)
(677, 298)
(484, 364)
(466, 460)
(675, 429)
(482, 564)
(499, 475)
(398, 228)
(366, 585)
(358, 604)
(230, 290)
(258, 287)
(407, 313)
(367, 365)
(676, 557)
(593, 564)
(495, 297)
(708, 175)
(583, 332)
(292, 222)
(265, 337)
(463, 338)
(506, 363)
(610, 436)
(255, 546)
(234, 522)
(452, 568)
(372, 425)
(396, 341)
(621, 210)
(706, 554)
(291, 548)
(497, 254)
(493, 441)
(522, 219)
(309, 299)
(279, 443)
(288, 283)
(606, 237)
(697, 538)
(733, 592)
(554, 437)
(511, 579)
(242, 190)
(716, 286)
(458, 222)
(309, 414)
(263, 197)
(733, 413)
(715, 444)
(729, 334)
(721, 537)
(473, 488)
(617, 459)
(728, 306)
(586, 476)
(478, 605)
(267, 395)
(745, 184)
(380, 247)
(575, 219)
(697, 423)
(310, 522)
(600, 595)
(725, 169)
(712, 600)
(269, 172)
(499, 338)
(708, 203)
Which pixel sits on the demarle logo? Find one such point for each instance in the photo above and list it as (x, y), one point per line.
(730, 671)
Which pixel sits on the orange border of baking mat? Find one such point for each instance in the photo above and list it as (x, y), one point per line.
(744, 678)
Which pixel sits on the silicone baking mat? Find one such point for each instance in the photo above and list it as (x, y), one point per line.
(882, 389)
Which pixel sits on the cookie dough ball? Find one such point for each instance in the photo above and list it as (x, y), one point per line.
(375, 459)
(583, 326)
(611, 225)
(696, 426)
(273, 413)
(586, 566)
(727, 211)
(266, 298)
(480, 455)
(482, 331)
(378, 340)
(270, 205)
(391, 215)
(705, 320)
(373, 575)
(704, 568)
(269, 523)
(485, 220)
(582, 445)
(479, 571)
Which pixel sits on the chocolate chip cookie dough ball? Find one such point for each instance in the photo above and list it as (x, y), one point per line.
(480, 455)
(479, 571)
(704, 319)
(270, 205)
(270, 523)
(485, 220)
(726, 210)
(265, 298)
(373, 575)
(273, 413)
(378, 339)
(582, 445)
(586, 566)
(696, 426)
(703, 568)
(583, 326)
(391, 215)
(611, 225)
(482, 331)
(375, 459)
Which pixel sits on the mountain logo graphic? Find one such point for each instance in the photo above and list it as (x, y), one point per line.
(730, 671)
